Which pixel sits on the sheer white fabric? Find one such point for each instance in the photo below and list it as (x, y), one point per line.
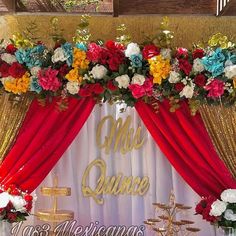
(123, 209)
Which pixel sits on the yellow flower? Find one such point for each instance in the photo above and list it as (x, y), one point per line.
(18, 85)
(74, 76)
(159, 68)
(80, 59)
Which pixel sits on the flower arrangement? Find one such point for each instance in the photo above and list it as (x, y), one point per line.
(122, 70)
(221, 212)
(15, 205)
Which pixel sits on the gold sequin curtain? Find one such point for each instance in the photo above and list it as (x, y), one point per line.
(12, 114)
(221, 125)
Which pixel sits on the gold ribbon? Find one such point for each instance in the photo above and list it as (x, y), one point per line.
(12, 113)
(221, 125)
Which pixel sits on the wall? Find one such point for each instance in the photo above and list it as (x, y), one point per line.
(188, 29)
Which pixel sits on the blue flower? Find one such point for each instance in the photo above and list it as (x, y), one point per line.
(34, 86)
(81, 46)
(136, 60)
(23, 56)
(214, 63)
(31, 57)
(231, 57)
(68, 50)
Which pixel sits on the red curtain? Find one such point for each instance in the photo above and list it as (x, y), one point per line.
(185, 142)
(45, 135)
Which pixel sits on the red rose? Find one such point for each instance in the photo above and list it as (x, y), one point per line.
(150, 51)
(111, 86)
(198, 53)
(182, 53)
(16, 70)
(185, 66)
(4, 69)
(28, 206)
(85, 92)
(179, 86)
(11, 49)
(114, 63)
(103, 56)
(200, 80)
(15, 192)
(111, 45)
(28, 198)
(97, 88)
(9, 206)
(11, 216)
(64, 70)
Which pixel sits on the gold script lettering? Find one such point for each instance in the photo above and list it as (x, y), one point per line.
(112, 185)
(120, 134)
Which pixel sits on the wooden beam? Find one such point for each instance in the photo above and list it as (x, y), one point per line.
(116, 4)
(10, 5)
(163, 7)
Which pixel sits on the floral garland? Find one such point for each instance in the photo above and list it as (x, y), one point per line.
(15, 205)
(220, 212)
(122, 72)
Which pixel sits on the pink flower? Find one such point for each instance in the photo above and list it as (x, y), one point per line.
(182, 53)
(215, 88)
(93, 53)
(139, 91)
(48, 79)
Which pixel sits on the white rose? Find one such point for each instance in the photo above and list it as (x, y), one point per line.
(5, 79)
(34, 71)
(217, 208)
(187, 91)
(138, 79)
(198, 66)
(8, 58)
(99, 71)
(229, 215)
(18, 203)
(230, 71)
(59, 55)
(72, 87)
(123, 81)
(174, 77)
(228, 195)
(132, 49)
(4, 199)
(166, 53)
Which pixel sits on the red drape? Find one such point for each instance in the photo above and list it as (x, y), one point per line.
(45, 135)
(185, 142)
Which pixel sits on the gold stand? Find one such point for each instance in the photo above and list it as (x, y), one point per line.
(165, 224)
(54, 215)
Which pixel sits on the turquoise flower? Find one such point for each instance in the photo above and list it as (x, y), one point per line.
(31, 57)
(136, 60)
(214, 63)
(34, 86)
(68, 50)
(81, 46)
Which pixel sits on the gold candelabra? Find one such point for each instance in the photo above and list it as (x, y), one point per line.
(55, 215)
(165, 222)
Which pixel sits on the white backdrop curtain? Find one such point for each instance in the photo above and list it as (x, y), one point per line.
(123, 209)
